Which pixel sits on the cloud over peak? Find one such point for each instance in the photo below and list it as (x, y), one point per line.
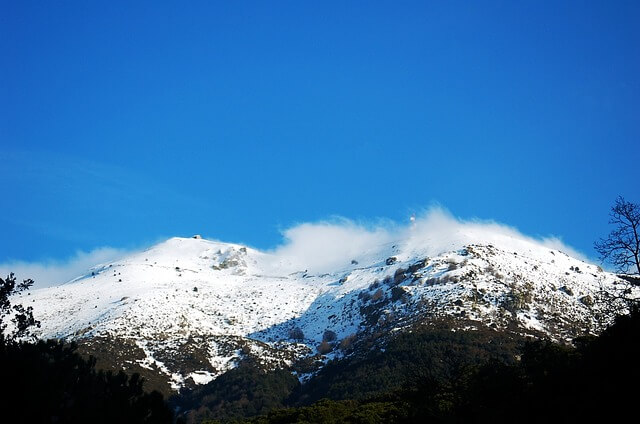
(330, 245)
(324, 246)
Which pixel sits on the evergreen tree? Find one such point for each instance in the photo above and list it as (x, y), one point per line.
(21, 317)
(49, 382)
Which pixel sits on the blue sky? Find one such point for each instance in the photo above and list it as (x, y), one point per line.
(121, 125)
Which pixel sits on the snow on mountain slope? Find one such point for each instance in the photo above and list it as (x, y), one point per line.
(192, 308)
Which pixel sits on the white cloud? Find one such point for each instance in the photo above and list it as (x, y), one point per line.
(438, 230)
(323, 246)
(51, 273)
(557, 243)
(330, 245)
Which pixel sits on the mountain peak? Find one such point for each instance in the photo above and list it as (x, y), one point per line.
(230, 302)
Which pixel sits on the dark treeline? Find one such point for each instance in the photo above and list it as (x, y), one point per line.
(433, 353)
(431, 374)
(594, 379)
(48, 382)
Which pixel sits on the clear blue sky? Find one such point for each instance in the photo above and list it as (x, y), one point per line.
(121, 124)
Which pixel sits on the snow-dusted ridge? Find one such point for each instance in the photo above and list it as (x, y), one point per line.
(215, 303)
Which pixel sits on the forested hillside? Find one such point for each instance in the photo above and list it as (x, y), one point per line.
(433, 373)
(547, 382)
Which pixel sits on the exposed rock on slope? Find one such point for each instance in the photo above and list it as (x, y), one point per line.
(187, 310)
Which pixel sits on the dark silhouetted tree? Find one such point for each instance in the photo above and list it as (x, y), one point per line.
(21, 317)
(622, 247)
(48, 381)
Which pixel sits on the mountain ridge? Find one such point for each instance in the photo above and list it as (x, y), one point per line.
(190, 309)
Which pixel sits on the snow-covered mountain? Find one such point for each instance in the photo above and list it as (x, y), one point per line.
(189, 309)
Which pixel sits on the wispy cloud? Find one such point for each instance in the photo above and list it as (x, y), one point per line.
(54, 272)
(325, 245)
(58, 192)
(439, 230)
(331, 244)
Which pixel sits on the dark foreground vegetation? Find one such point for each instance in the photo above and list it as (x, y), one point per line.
(431, 374)
(430, 377)
(49, 382)
(433, 354)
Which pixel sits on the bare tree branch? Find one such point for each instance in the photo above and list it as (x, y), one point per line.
(622, 247)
